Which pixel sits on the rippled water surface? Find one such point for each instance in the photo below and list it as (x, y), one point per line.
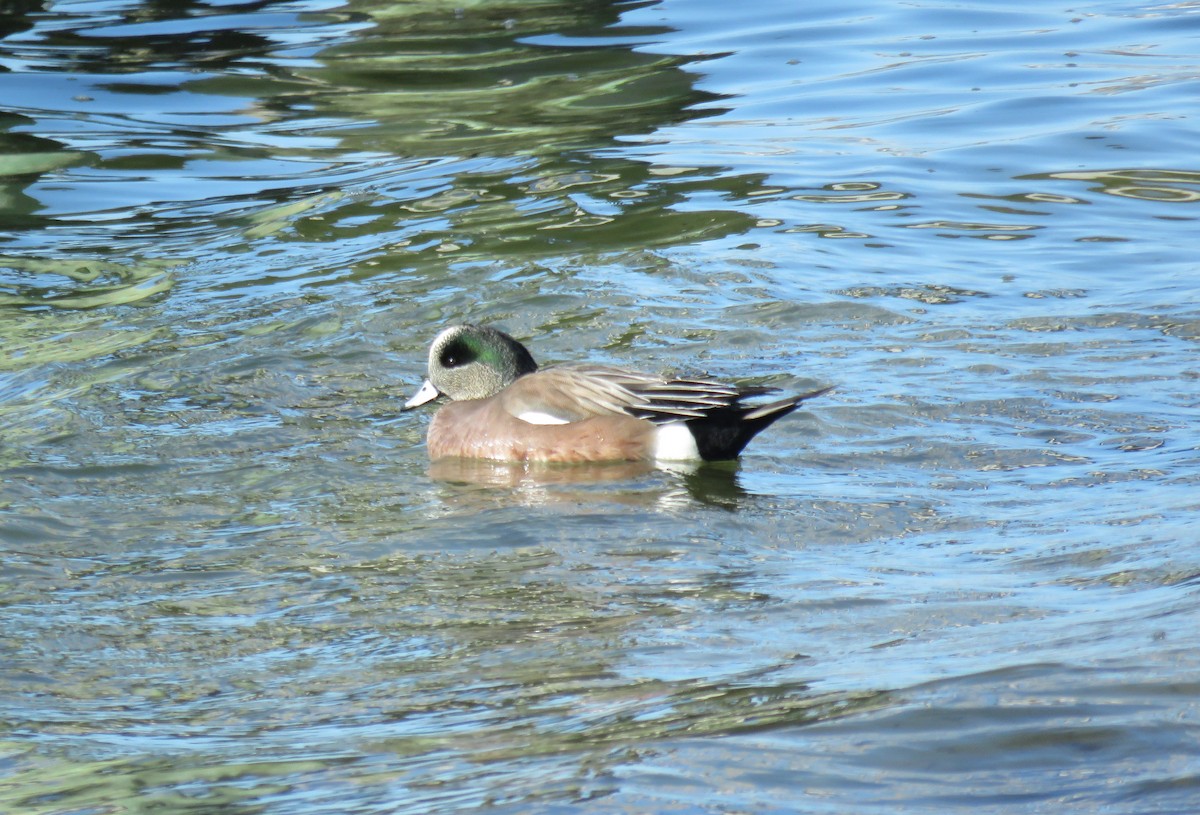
(964, 581)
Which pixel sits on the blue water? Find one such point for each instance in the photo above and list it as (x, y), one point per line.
(964, 581)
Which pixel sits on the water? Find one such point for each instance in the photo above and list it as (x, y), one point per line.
(965, 581)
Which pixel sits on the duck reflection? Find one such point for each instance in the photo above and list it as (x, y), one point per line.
(636, 482)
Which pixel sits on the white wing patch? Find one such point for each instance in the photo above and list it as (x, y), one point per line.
(539, 417)
(675, 442)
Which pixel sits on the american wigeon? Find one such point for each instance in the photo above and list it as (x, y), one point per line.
(503, 408)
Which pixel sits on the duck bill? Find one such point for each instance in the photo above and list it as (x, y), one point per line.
(427, 393)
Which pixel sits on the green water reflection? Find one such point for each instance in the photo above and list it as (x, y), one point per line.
(393, 123)
(496, 78)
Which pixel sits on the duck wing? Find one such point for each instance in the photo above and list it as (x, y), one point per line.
(572, 393)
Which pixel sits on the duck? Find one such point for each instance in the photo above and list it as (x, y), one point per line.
(500, 405)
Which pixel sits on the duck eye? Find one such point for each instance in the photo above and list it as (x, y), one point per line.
(455, 355)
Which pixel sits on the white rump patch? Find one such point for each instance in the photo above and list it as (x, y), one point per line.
(675, 442)
(538, 417)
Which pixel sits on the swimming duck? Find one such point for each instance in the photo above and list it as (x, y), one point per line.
(503, 407)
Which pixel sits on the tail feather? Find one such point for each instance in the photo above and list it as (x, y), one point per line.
(722, 434)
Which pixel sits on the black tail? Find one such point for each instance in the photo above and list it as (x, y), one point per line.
(723, 433)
